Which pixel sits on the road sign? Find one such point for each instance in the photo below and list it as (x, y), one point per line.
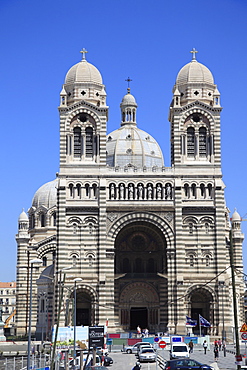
(162, 344)
(244, 336)
(243, 328)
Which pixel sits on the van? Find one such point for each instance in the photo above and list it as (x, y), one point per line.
(179, 350)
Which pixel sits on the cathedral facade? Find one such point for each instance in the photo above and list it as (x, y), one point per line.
(150, 242)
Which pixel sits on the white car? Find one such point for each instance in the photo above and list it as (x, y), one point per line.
(147, 355)
(135, 347)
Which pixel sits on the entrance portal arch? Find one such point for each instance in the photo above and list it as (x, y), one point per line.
(140, 260)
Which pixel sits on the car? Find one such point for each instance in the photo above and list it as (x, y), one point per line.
(108, 361)
(179, 350)
(147, 355)
(185, 364)
(143, 345)
(134, 348)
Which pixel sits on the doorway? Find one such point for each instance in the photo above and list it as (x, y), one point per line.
(138, 317)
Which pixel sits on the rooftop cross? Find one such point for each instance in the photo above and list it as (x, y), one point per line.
(128, 80)
(83, 52)
(194, 51)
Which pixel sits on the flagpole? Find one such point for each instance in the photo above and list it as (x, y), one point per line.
(200, 326)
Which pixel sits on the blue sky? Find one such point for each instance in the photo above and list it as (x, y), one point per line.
(147, 40)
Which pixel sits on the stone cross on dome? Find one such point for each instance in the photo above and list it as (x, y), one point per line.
(194, 51)
(128, 80)
(83, 52)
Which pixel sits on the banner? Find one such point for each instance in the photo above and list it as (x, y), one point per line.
(204, 322)
(190, 321)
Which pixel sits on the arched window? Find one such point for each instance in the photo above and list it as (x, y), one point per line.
(87, 190)
(77, 142)
(193, 188)
(54, 219)
(202, 188)
(207, 258)
(78, 190)
(89, 142)
(71, 190)
(44, 261)
(94, 190)
(190, 142)
(202, 142)
(42, 220)
(186, 190)
(209, 190)
(32, 221)
(74, 260)
(191, 228)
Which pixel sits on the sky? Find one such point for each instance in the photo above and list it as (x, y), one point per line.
(148, 41)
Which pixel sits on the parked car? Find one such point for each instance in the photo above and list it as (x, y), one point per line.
(179, 350)
(143, 345)
(185, 364)
(134, 348)
(147, 355)
(108, 361)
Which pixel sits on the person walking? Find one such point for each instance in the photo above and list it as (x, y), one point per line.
(216, 353)
(191, 345)
(205, 346)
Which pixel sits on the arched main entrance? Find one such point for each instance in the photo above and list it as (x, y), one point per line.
(201, 303)
(140, 259)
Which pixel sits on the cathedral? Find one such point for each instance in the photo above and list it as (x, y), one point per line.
(148, 244)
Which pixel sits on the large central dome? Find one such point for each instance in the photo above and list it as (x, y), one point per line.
(130, 146)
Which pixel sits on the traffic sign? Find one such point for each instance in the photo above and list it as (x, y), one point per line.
(162, 344)
(244, 336)
(243, 328)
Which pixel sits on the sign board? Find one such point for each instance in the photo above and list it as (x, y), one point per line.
(96, 336)
(244, 336)
(243, 328)
(162, 344)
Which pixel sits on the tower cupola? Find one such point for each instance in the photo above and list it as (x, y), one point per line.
(83, 81)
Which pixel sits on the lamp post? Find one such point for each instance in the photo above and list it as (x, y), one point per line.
(222, 285)
(32, 262)
(75, 280)
(61, 289)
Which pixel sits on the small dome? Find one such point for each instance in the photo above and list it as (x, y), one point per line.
(47, 274)
(23, 217)
(194, 72)
(236, 217)
(46, 195)
(83, 72)
(128, 100)
(130, 146)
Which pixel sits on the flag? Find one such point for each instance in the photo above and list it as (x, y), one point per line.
(204, 322)
(190, 321)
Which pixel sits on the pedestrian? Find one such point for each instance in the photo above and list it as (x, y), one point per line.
(219, 344)
(216, 353)
(137, 366)
(191, 345)
(139, 331)
(205, 346)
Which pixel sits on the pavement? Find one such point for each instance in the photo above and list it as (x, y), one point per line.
(223, 363)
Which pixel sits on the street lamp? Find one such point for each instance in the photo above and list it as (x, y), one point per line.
(75, 280)
(32, 262)
(61, 288)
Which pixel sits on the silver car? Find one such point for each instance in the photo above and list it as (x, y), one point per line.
(147, 355)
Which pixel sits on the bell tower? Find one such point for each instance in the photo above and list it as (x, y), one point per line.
(195, 118)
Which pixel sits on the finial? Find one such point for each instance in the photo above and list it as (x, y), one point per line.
(128, 80)
(83, 52)
(194, 51)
